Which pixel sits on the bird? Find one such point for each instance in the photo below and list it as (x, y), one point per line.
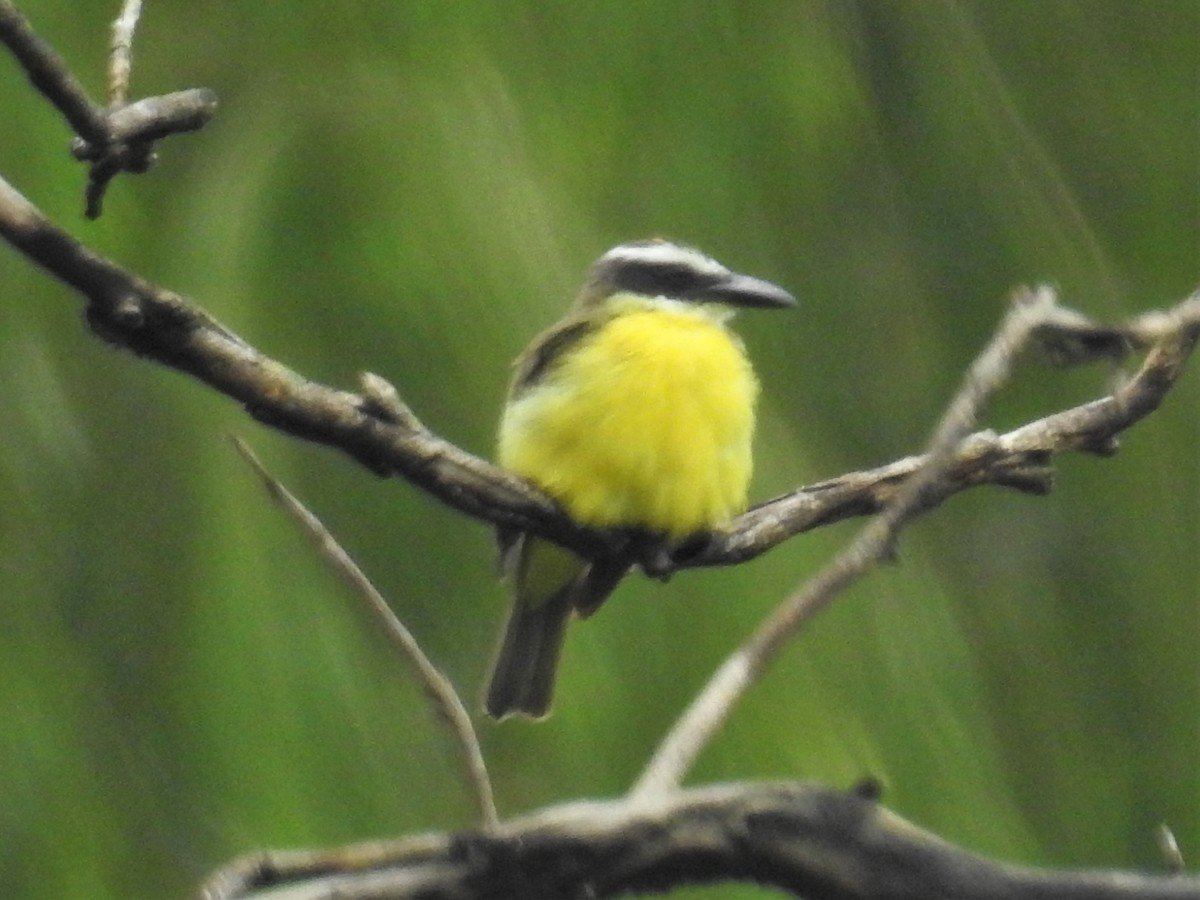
(635, 413)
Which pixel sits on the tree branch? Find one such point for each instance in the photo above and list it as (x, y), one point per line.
(805, 839)
(157, 324)
(375, 428)
(1034, 315)
(117, 138)
(50, 75)
(1020, 459)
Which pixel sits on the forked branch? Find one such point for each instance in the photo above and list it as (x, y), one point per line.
(118, 137)
(374, 426)
(927, 480)
(804, 839)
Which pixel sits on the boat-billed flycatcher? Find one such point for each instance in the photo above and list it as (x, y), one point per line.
(636, 413)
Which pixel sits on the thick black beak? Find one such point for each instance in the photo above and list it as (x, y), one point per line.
(745, 290)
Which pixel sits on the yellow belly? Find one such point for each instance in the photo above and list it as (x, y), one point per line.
(646, 423)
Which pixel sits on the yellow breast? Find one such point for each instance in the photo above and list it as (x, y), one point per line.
(647, 422)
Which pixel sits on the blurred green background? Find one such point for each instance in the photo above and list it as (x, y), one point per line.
(415, 189)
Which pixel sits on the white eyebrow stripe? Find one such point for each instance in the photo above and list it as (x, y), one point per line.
(666, 254)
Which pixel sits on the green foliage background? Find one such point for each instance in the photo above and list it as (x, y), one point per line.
(415, 189)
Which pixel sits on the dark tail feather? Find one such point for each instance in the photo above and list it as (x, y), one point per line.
(549, 585)
(522, 679)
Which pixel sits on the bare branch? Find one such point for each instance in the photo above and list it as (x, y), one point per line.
(804, 839)
(441, 694)
(160, 325)
(117, 139)
(150, 119)
(1020, 459)
(379, 431)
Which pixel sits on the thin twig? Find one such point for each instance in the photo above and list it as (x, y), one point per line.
(120, 59)
(442, 696)
(874, 543)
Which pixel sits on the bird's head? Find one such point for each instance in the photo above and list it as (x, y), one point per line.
(659, 268)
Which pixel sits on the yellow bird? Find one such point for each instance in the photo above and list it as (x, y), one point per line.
(636, 413)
